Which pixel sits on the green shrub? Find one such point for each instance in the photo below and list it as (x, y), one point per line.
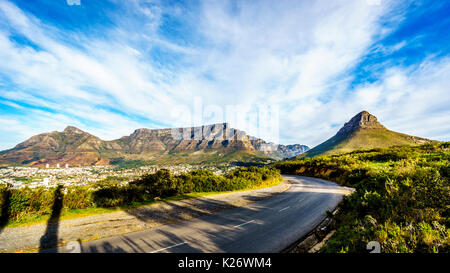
(405, 189)
(78, 198)
(22, 204)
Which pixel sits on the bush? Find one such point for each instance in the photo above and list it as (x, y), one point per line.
(21, 204)
(78, 198)
(405, 189)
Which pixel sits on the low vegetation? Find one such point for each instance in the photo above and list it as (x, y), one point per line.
(360, 139)
(402, 197)
(21, 205)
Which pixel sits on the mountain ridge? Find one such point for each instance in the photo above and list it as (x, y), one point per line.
(208, 143)
(363, 131)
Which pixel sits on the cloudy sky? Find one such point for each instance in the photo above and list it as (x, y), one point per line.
(112, 66)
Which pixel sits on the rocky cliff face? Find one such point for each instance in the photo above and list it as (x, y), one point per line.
(289, 151)
(215, 136)
(76, 147)
(278, 151)
(363, 120)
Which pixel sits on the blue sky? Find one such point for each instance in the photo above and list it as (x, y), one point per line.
(112, 66)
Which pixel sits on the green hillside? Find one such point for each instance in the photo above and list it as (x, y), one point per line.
(362, 132)
(402, 197)
(361, 139)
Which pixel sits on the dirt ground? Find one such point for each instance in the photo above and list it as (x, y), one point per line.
(31, 238)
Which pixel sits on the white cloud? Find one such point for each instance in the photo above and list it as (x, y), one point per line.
(296, 54)
(412, 100)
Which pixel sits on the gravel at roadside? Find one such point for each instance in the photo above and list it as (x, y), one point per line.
(30, 238)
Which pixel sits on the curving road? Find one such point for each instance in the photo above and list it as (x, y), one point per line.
(266, 226)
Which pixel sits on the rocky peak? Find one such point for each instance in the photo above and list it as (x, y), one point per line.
(366, 120)
(71, 130)
(363, 120)
(79, 148)
(141, 131)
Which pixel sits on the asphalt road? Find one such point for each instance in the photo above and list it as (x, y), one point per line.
(265, 226)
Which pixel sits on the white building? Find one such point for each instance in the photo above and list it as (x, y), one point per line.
(46, 181)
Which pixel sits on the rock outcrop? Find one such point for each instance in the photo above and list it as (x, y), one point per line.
(363, 120)
(278, 151)
(363, 131)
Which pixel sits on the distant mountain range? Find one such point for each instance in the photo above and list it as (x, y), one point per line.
(216, 143)
(363, 131)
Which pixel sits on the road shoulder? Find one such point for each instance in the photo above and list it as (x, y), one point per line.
(28, 238)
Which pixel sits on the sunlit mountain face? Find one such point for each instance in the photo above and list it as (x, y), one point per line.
(209, 144)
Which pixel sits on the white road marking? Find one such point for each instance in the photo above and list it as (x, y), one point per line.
(168, 247)
(283, 209)
(244, 223)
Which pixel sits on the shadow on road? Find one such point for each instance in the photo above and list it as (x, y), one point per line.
(173, 212)
(50, 238)
(177, 213)
(165, 213)
(286, 218)
(139, 245)
(105, 247)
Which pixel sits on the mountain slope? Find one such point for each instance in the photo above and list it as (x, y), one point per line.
(216, 143)
(363, 131)
(278, 151)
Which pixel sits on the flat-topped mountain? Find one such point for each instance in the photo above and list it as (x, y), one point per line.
(363, 131)
(203, 144)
